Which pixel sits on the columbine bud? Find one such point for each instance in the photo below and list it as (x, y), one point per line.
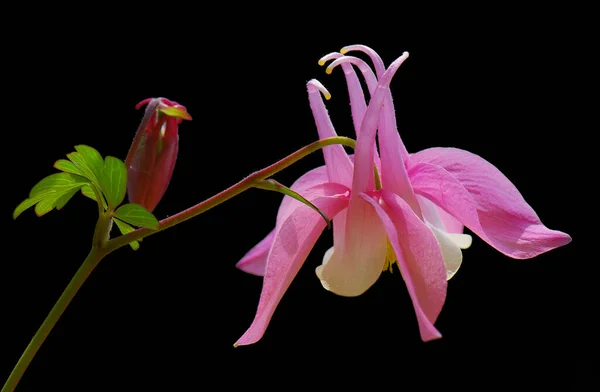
(152, 155)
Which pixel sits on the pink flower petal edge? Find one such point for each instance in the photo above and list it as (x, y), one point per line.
(477, 194)
(255, 261)
(294, 238)
(418, 256)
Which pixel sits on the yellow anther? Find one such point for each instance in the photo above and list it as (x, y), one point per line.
(390, 257)
(343, 50)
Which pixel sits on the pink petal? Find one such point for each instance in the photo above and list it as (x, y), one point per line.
(367, 72)
(339, 167)
(450, 223)
(357, 98)
(393, 153)
(358, 105)
(392, 150)
(353, 268)
(438, 217)
(364, 151)
(419, 259)
(255, 261)
(377, 62)
(293, 241)
(483, 199)
(389, 105)
(308, 180)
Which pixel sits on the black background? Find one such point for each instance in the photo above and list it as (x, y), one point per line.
(506, 84)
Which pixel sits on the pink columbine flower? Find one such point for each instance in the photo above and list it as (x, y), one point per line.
(415, 220)
(152, 155)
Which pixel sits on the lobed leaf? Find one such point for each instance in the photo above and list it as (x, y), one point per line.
(137, 215)
(113, 180)
(124, 228)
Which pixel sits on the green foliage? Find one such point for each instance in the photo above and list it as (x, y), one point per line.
(88, 191)
(124, 228)
(136, 215)
(85, 170)
(52, 192)
(113, 180)
(67, 167)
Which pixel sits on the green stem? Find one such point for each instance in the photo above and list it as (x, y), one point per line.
(101, 233)
(228, 193)
(102, 246)
(81, 275)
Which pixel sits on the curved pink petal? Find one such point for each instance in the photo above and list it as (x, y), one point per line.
(358, 105)
(393, 171)
(339, 167)
(255, 261)
(438, 217)
(307, 180)
(353, 268)
(419, 259)
(388, 111)
(450, 223)
(364, 151)
(392, 150)
(483, 199)
(293, 241)
(364, 68)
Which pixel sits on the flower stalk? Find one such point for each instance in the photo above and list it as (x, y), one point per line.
(102, 245)
(228, 193)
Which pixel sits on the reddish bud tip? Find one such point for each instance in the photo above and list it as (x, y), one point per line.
(142, 103)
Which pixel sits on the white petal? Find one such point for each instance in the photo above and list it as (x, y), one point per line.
(463, 241)
(353, 269)
(327, 255)
(319, 269)
(451, 253)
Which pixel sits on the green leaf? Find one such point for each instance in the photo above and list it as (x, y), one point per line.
(137, 215)
(68, 167)
(53, 191)
(124, 228)
(56, 200)
(87, 191)
(25, 204)
(64, 199)
(114, 181)
(45, 205)
(81, 164)
(57, 183)
(92, 158)
(57, 189)
(272, 185)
